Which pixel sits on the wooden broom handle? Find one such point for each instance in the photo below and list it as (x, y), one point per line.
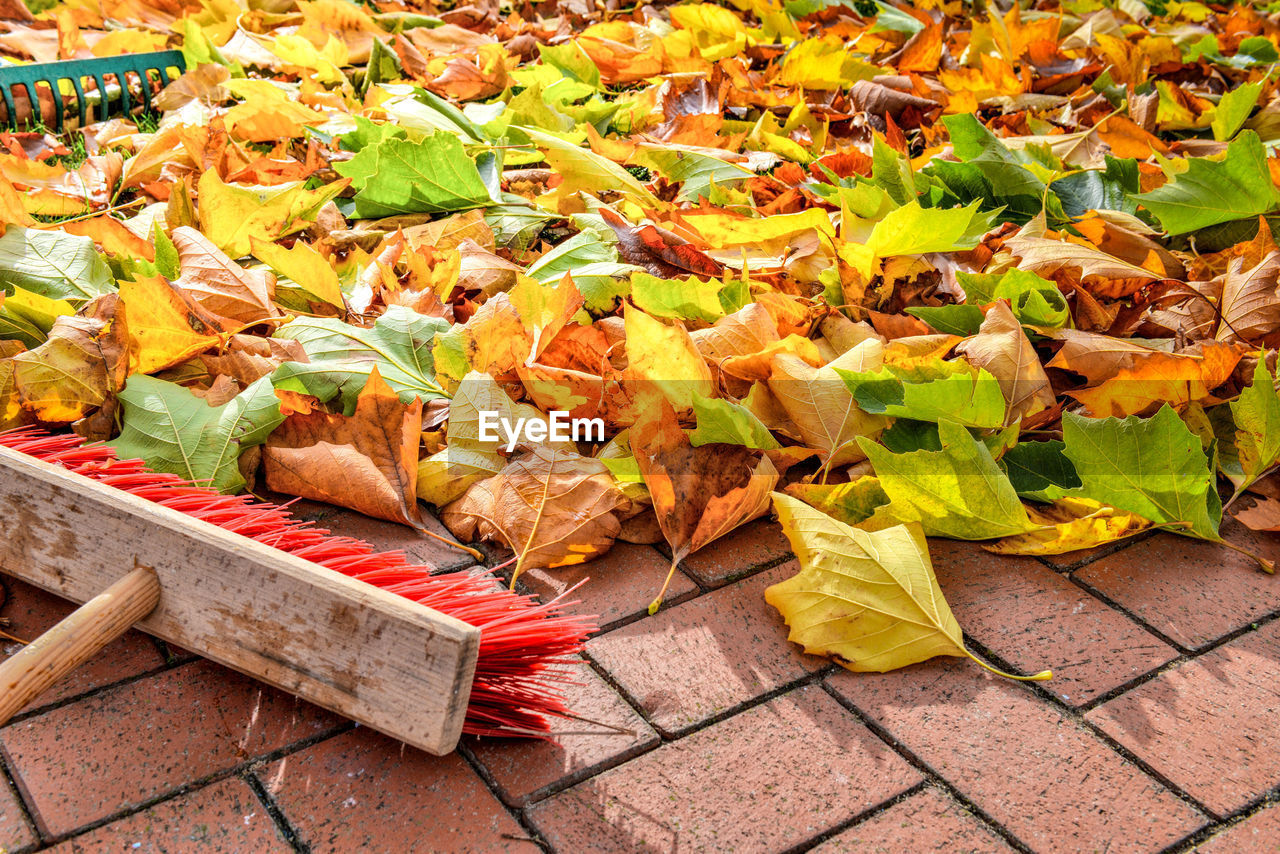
(25, 675)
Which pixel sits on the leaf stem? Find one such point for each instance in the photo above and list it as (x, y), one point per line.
(657, 602)
(1035, 677)
(475, 553)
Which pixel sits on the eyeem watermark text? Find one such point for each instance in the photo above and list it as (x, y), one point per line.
(558, 427)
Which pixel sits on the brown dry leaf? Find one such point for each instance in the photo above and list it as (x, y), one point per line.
(1158, 378)
(1113, 277)
(1095, 356)
(699, 494)
(1250, 303)
(1264, 515)
(1002, 348)
(81, 366)
(367, 461)
(221, 285)
(551, 507)
(249, 357)
(820, 405)
(878, 99)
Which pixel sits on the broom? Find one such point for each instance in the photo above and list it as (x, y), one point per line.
(526, 647)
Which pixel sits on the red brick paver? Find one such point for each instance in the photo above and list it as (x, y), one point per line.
(15, 833)
(523, 768)
(1047, 779)
(769, 778)
(1208, 725)
(1259, 832)
(225, 816)
(707, 730)
(926, 821)
(142, 739)
(1034, 618)
(619, 586)
(364, 792)
(694, 661)
(737, 553)
(1190, 591)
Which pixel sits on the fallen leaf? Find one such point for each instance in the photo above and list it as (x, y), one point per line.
(551, 507)
(81, 366)
(699, 494)
(366, 461)
(219, 284)
(1002, 349)
(172, 430)
(868, 599)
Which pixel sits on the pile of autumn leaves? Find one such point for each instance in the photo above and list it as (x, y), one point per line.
(993, 340)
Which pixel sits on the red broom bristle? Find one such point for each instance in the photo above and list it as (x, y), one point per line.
(526, 647)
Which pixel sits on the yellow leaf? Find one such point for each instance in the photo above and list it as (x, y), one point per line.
(870, 599)
(231, 215)
(1070, 524)
(167, 325)
(82, 364)
(301, 54)
(664, 359)
(305, 266)
(717, 32)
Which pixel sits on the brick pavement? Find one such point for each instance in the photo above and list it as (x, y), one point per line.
(1158, 733)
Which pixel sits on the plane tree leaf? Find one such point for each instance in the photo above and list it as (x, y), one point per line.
(53, 264)
(1155, 467)
(431, 174)
(958, 492)
(869, 599)
(342, 356)
(172, 430)
(1215, 191)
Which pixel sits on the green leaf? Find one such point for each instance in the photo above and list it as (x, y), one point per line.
(571, 61)
(172, 430)
(695, 171)
(1256, 414)
(589, 169)
(913, 230)
(53, 264)
(168, 263)
(1035, 301)
(516, 226)
(593, 263)
(28, 317)
(962, 320)
(1215, 191)
(1233, 110)
(1110, 189)
(729, 423)
(1040, 470)
(892, 171)
(958, 492)
(399, 344)
(937, 391)
(1155, 467)
(429, 175)
(851, 503)
(689, 298)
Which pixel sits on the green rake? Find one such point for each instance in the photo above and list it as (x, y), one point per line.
(148, 68)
